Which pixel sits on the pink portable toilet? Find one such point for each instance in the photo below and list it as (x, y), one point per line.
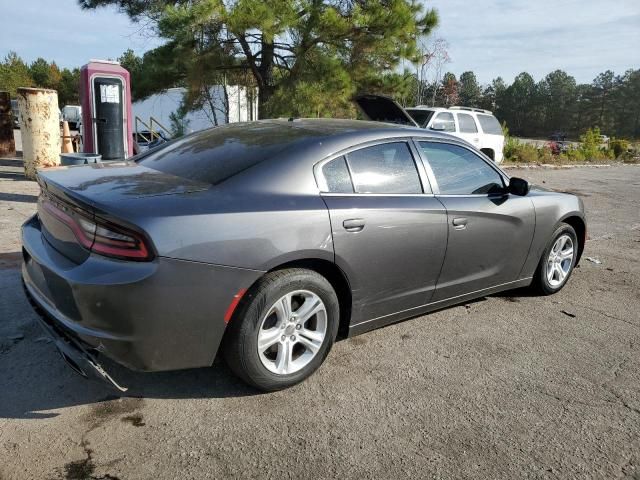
(105, 95)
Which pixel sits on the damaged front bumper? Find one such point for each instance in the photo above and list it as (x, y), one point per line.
(79, 357)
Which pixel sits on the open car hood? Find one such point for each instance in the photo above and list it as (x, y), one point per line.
(380, 108)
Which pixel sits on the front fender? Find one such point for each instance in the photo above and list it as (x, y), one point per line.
(551, 209)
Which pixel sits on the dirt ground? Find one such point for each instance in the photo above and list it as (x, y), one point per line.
(511, 386)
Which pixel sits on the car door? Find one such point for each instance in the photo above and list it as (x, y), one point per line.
(389, 232)
(468, 129)
(490, 231)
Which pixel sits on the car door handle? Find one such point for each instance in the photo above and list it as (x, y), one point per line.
(353, 224)
(459, 223)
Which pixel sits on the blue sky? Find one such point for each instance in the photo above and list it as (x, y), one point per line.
(491, 37)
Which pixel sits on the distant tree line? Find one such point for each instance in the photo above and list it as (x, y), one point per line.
(15, 73)
(556, 103)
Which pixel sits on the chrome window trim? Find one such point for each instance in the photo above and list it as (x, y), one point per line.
(422, 195)
(414, 152)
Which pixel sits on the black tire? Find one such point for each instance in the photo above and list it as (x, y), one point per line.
(541, 282)
(240, 348)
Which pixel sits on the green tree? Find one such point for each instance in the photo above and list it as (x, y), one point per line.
(14, 73)
(560, 100)
(603, 86)
(68, 87)
(281, 45)
(469, 90)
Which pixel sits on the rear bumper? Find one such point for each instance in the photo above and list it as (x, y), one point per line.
(150, 316)
(78, 356)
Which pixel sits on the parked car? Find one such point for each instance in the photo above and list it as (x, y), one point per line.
(265, 240)
(73, 115)
(477, 126)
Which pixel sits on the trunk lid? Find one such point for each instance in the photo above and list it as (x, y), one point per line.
(380, 108)
(90, 191)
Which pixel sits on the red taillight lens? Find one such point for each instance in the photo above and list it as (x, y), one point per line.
(100, 236)
(115, 241)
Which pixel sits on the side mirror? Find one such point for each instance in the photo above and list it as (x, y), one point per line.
(518, 186)
(439, 127)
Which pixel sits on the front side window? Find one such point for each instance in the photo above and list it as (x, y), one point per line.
(386, 168)
(467, 123)
(444, 122)
(335, 177)
(459, 171)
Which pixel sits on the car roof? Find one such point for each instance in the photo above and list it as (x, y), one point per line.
(316, 137)
(336, 127)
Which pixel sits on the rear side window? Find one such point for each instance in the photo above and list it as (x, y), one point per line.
(459, 171)
(490, 124)
(466, 123)
(335, 177)
(444, 121)
(386, 168)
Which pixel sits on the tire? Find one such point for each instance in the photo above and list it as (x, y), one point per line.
(262, 315)
(548, 283)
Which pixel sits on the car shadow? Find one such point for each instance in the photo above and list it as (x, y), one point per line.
(35, 381)
(39, 382)
(18, 197)
(11, 162)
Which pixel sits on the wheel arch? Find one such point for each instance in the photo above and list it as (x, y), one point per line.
(338, 280)
(580, 226)
(489, 152)
(334, 275)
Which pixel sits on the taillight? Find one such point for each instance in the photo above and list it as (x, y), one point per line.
(100, 236)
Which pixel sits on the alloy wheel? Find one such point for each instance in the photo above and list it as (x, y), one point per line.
(292, 332)
(560, 260)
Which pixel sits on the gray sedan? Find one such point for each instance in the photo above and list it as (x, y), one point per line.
(267, 240)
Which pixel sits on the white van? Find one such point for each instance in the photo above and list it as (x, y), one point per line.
(477, 126)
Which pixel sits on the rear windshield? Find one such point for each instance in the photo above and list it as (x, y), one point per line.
(216, 154)
(421, 117)
(489, 124)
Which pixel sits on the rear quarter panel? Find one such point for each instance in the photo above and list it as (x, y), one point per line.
(272, 214)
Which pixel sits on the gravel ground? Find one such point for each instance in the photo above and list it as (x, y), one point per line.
(511, 386)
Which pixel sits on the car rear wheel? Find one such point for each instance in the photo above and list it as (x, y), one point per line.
(558, 260)
(283, 329)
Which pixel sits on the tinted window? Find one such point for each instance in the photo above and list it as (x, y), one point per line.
(216, 154)
(336, 177)
(466, 123)
(444, 121)
(460, 171)
(421, 117)
(387, 168)
(490, 124)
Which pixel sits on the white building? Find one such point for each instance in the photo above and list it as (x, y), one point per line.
(243, 107)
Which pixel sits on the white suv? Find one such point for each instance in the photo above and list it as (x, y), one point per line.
(478, 127)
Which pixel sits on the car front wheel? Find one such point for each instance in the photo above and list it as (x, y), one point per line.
(283, 329)
(558, 260)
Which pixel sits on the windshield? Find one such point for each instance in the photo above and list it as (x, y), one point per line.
(421, 117)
